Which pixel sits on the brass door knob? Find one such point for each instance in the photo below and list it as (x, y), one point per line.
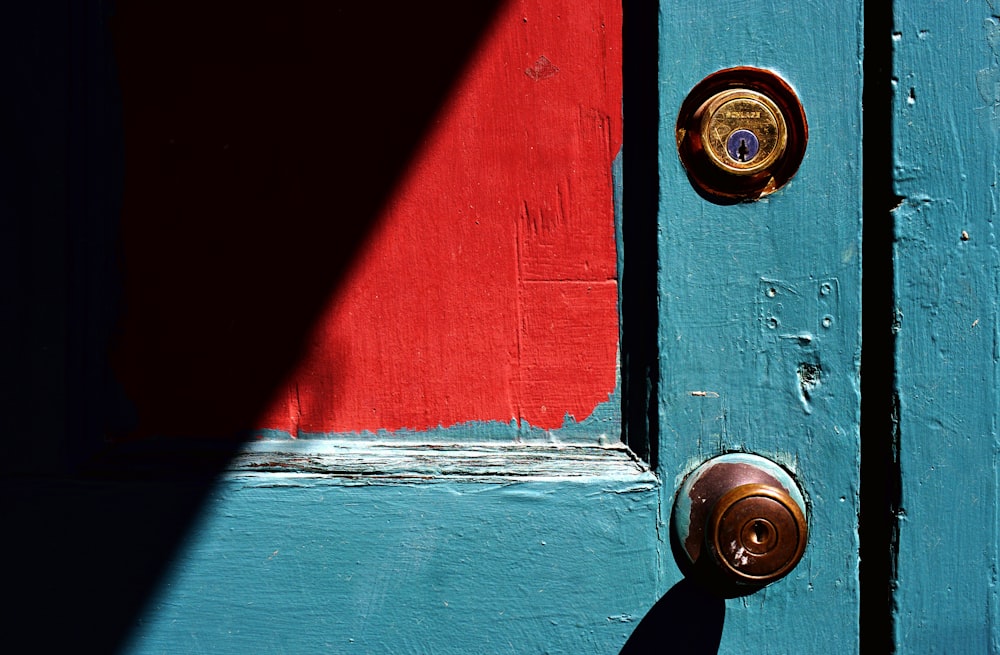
(741, 134)
(740, 522)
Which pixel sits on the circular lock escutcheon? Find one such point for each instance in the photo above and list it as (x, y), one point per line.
(741, 134)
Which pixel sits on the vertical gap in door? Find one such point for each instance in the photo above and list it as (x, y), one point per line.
(880, 474)
(639, 315)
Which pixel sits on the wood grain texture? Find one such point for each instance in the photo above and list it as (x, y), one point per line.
(363, 227)
(945, 117)
(752, 293)
(367, 461)
(293, 564)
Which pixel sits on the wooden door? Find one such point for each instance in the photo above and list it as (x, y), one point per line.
(386, 545)
(370, 541)
(432, 461)
(403, 295)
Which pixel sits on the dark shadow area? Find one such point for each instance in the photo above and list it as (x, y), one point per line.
(640, 167)
(261, 142)
(880, 474)
(184, 185)
(687, 620)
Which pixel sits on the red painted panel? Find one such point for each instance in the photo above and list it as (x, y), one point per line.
(265, 269)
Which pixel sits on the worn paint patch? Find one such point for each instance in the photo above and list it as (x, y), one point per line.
(809, 375)
(542, 69)
(434, 462)
(602, 426)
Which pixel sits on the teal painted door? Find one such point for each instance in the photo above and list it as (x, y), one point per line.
(740, 331)
(381, 546)
(233, 179)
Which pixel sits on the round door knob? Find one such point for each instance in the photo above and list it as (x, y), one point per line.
(741, 134)
(740, 523)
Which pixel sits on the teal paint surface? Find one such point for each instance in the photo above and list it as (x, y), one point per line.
(945, 119)
(313, 564)
(749, 293)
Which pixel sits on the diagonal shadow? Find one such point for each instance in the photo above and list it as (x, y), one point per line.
(210, 183)
(688, 619)
(261, 141)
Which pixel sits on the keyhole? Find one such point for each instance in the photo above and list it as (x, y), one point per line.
(742, 146)
(760, 533)
(759, 536)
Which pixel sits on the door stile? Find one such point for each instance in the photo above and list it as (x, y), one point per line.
(946, 94)
(754, 297)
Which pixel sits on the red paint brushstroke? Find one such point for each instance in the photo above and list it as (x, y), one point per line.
(484, 291)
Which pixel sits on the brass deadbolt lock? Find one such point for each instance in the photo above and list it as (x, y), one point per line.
(741, 134)
(739, 522)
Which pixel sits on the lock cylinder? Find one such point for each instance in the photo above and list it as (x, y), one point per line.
(742, 131)
(741, 134)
